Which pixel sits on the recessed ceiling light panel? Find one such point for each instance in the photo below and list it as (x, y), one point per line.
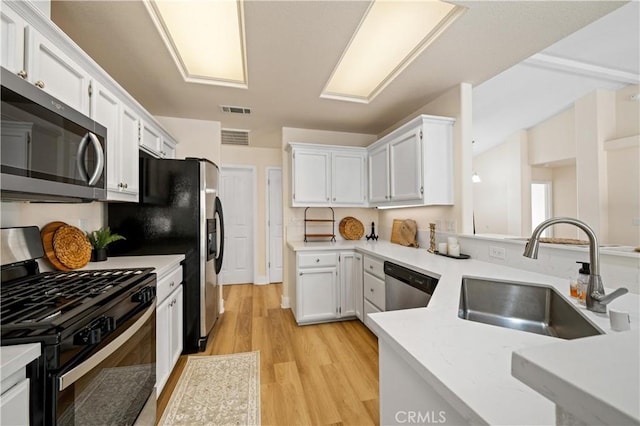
(390, 36)
(205, 38)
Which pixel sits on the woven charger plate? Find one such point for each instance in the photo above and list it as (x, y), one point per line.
(71, 246)
(351, 228)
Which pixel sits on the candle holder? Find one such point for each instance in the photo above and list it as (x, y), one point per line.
(432, 238)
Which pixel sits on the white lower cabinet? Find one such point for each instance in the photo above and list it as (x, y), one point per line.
(168, 326)
(327, 286)
(14, 404)
(373, 287)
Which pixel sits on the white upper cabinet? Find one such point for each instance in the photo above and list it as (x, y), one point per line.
(12, 41)
(155, 142)
(122, 144)
(379, 174)
(348, 177)
(34, 48)
(50, 69)
(328, 175)
(413, 165)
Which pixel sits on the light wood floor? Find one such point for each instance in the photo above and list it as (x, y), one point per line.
(325, 374)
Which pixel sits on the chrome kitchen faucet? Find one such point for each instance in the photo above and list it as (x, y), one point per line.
(596, 299)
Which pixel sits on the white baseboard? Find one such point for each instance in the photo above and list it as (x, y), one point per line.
(260, 280)
(221, 306)
(285, 302)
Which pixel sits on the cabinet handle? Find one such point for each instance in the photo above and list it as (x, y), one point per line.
(317, 260)
(22, 74)
(126, 186)
(300, 273)
(371, 290)
(39, 84)
(334, 198)
(171, 284)
(370, 266)
(327, 198)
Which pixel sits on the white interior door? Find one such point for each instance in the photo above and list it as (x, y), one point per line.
(237, 195)
(274, 224)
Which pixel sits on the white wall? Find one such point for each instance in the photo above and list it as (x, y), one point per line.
(196, 138)
(88, 217)
(590, 181)
(565, 202)
(553, 140)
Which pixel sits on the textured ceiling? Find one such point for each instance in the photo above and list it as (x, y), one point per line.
(292, 47)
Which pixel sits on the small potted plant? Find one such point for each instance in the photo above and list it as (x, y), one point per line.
(99, 240)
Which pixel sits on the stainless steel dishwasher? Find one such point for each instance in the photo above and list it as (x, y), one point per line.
(405, 288)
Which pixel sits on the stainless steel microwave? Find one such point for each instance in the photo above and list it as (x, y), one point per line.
(49, 151)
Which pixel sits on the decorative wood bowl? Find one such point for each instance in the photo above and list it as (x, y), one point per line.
(351, 228)
(71, 246)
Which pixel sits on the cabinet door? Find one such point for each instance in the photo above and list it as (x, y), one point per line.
(311, 170)
(317, 295)
(128, 160)
(105, 109)
(12, 48)
(176, 327)
(378, 175)
(14, 404)
(150, 138)
(405, 167)
(168, 149)
(348, 284)
(348, 178)
(49, 68)
(163, 342)
(358, 285)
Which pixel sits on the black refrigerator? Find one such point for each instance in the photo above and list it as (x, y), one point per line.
(178, 212)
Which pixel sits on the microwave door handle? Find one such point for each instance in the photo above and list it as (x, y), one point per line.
(100, 160)
(80, 157)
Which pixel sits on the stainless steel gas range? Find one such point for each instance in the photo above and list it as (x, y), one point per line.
(97, 329)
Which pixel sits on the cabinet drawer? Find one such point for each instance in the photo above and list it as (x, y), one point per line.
(374, 266)
(307, 260)
(368, 309)
(168, 284)
(374, 290)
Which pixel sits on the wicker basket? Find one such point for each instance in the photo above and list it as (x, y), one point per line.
(351, 228)
(71, 246)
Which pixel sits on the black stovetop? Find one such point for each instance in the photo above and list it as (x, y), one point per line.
(52, 300)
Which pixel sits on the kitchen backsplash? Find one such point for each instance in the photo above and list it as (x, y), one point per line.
(86, 216)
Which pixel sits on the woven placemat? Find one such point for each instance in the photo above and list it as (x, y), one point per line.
(351, 228)
(71, 246)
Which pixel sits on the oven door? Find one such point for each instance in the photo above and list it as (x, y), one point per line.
(113, 385)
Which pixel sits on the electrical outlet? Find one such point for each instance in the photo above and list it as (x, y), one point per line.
(636, 221)
(83, 224)
(497, 252)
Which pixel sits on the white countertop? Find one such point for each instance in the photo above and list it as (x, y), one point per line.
(16, 357)
(469, 363)
(587, 376)
(161, 263)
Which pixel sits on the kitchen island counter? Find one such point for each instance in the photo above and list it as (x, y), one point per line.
(466, 364)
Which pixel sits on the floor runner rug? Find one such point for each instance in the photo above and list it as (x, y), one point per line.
(217, 390)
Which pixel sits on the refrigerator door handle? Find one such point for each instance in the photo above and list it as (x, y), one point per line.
(220, 252)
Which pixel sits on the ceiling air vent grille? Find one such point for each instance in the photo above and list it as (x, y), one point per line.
(235, 137)
(235, 109)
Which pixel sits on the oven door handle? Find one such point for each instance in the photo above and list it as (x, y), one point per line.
(76, 373)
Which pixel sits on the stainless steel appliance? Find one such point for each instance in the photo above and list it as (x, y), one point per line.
(405, 288)
(179, 212)
(49, 151)
(97, 330)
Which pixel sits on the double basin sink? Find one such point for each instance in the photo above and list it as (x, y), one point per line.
(522, 306)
